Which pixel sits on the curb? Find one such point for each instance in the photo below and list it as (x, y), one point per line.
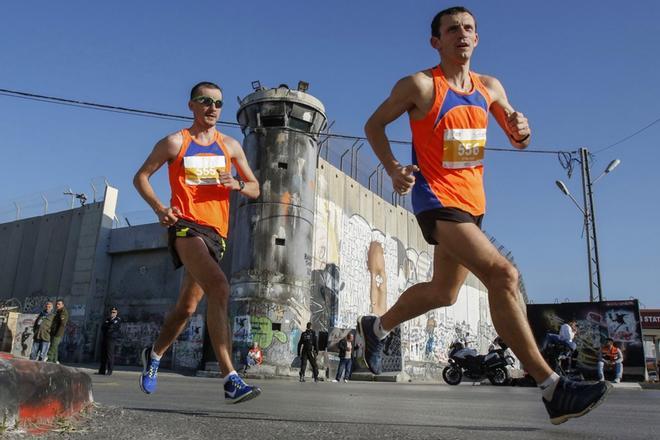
(34, 392)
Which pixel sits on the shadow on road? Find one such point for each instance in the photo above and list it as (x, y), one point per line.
(266, 417)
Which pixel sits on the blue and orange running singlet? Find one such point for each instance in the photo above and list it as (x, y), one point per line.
(195, 183)
(448, 148)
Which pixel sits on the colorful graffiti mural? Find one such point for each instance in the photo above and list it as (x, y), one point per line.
(248, 329)
(359, 269)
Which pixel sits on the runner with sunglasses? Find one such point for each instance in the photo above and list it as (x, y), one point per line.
(199, 162)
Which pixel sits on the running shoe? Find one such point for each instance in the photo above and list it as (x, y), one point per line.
(373, 346)
(575, 399)
(237, 391)
(149, 376)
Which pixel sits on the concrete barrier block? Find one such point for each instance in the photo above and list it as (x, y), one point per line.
(40, 392)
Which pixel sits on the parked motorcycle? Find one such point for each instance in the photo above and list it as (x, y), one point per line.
(466, 362)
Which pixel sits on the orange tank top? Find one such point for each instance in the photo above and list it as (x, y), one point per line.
(195, 184)
(448, 148)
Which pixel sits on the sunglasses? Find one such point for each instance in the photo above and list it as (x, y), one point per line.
(208, 101)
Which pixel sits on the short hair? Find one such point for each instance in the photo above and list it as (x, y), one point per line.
(609, 340)
(48, 302)
(196, 87)
(59, 300)
(309, 325)
(114, 309)
(435, 24)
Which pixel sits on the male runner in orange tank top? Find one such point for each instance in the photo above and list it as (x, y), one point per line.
(199, 164)
(448, 109)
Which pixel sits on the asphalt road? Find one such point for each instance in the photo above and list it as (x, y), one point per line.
(194, 408)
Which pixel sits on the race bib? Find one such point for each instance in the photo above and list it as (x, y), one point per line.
(203, 170)
(463, 147)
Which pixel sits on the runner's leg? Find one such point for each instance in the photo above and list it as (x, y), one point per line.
(468, 245)
(175, 322)
(208, 276)
(441, 291)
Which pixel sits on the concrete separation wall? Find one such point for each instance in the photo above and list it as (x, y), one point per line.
(39, 392)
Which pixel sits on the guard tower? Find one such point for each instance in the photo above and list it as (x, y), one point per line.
(271, 265)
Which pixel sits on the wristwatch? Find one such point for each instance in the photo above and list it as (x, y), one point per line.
(241, 185)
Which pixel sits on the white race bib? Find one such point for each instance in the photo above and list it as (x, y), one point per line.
(203, 170)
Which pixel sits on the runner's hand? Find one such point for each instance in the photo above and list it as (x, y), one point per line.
(518, 125)
(168, 216)
(403, 178)
(227, 180)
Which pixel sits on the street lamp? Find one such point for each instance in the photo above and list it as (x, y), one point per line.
(589, 219)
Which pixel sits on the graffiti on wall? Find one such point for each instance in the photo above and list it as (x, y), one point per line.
(188, 348)
(324, 297)
(248, 329)
(134, 337)
(23, 335)
(359, 270)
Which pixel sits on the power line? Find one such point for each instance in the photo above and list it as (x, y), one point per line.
(171, 116)
(628, 137)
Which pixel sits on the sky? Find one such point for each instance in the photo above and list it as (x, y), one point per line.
(584, 73)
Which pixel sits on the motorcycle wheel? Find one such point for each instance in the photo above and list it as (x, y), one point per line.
(499, 377)
(452, 375)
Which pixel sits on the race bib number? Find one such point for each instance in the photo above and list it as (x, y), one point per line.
(463, 147)
(203, 170)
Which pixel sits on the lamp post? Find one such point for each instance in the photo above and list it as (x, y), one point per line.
(589, 219)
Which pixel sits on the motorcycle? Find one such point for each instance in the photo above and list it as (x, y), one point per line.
(560, 359)
(466, 362)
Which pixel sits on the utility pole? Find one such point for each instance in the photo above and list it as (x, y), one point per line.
(593, 262)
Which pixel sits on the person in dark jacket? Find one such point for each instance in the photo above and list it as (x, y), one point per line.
(347, 348)
(41, 330)
(57, 330)
(110, 333)
(307, 350)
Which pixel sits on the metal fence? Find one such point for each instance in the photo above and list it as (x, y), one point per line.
(56, 199)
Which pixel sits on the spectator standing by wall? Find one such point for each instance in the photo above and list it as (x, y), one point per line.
(41, 331)
(57, 330)
(346, 355)
(110, 333)
(307, 350)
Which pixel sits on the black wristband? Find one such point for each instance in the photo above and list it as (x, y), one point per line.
(241, 185)
(521, 140)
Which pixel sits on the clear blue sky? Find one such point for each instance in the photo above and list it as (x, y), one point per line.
(585, 73)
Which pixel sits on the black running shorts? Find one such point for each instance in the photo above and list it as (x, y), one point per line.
(215, 243)
(427, 219)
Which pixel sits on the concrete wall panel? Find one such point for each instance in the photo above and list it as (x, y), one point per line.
(351, 196)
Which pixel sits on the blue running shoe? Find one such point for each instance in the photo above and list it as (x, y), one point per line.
(373, 346)
(237, 391)
(149, 376)
(575, 399)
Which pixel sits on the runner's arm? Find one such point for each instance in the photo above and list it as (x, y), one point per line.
(251, 188)
(401, 100)
(513, 123)
(165, 150)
